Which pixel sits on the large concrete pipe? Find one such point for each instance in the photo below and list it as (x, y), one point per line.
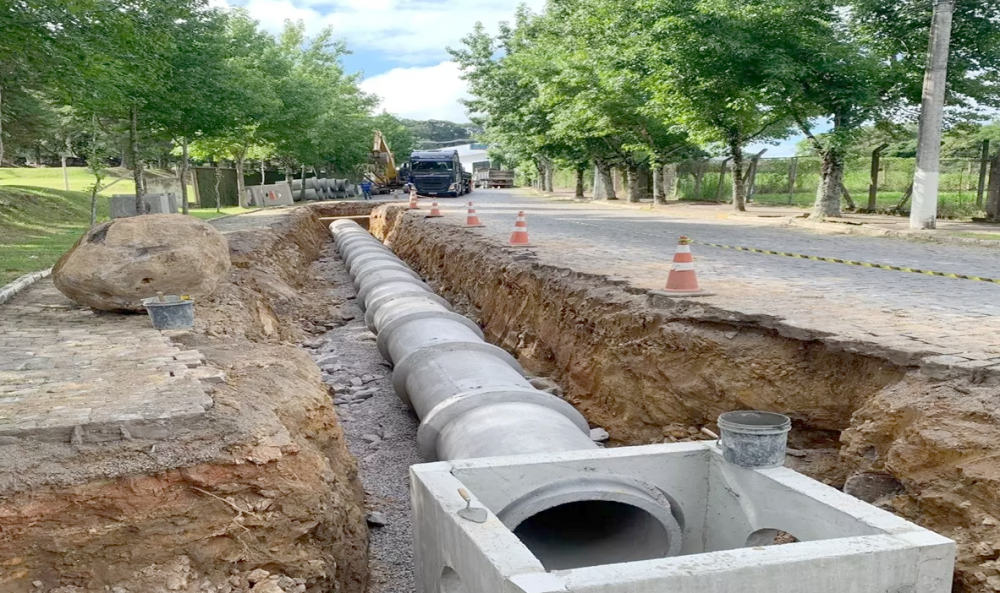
(473, 401)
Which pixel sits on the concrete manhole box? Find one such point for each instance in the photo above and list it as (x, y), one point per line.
(730, 521)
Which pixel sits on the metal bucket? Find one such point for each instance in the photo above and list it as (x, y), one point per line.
(754, 440)
(173, 313)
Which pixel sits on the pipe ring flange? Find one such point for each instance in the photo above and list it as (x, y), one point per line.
(365, 290)
(402, 369)
(368, 257)
(609, 488)
(347, 240)
(382, 267)
(352, 235)
(388, 298)
(386, 333)
(437, 419)
(343, 225)
(352, 252)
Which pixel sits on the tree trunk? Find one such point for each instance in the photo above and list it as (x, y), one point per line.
(668, 180)
(1, 126)
(549, 173)
(993, 193)
(218, 180)
(659, 192)
(699, 175)
(240, 182)
(133, 145)
(579, 182)
(634, 192)
(739, 185)
(93, 204)
(607, 181)
(184, 172)
(828, 193)
(302, 190)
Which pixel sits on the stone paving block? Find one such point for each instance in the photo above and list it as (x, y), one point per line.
(89, 375)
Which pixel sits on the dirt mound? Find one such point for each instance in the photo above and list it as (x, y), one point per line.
(651, 373)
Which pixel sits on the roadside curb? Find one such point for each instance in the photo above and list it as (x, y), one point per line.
(841, 228)
(8, 292)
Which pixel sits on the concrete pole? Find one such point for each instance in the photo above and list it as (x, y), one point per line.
(923, 214)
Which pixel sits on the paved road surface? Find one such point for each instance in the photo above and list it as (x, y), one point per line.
(957, 317)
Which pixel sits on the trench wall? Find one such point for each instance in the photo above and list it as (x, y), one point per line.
(637, 367)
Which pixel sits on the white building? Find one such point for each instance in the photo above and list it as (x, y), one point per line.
(473, 156)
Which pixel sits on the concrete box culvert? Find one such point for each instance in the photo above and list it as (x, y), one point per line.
(845, 545)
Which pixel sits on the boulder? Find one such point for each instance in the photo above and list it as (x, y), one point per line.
(119, 263)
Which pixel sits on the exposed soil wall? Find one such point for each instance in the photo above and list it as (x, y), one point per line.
(265, 495)
(640, 369)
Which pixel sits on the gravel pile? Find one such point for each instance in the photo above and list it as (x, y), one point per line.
(381, 430)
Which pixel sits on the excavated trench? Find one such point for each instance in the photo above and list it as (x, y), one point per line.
(651, 372)
(271, 485)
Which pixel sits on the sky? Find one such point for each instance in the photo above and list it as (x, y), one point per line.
(399, 46)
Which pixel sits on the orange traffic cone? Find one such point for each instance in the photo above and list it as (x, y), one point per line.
(682, 280)
(472, 220)
(413, 201)
(519, 238)
(435, 211)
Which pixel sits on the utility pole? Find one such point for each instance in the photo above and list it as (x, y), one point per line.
(923, 213)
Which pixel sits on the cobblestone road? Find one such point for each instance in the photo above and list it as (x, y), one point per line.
(943, 322)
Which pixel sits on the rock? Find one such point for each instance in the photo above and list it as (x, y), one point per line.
(357, 382)
(268, 586)
(599, 435)
(37, 584)
(377, 519)
(255, 576)
(119, 263)
(547, 385)
(367, 378)
(870, 487)
(361, 396)
(371, 438)
(339, 401)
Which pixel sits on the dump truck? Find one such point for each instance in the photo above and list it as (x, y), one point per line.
(494, 178)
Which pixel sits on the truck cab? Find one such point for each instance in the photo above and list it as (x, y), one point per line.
(437, 173)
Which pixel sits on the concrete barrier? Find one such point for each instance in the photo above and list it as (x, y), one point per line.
(123, 206)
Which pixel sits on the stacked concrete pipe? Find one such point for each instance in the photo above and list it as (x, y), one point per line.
(474, 401)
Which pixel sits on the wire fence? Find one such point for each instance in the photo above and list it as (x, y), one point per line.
(793, 182)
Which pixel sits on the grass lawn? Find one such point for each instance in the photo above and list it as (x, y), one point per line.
(52, 178)
(38, 225)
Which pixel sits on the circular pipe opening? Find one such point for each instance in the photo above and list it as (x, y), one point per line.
(593, 533)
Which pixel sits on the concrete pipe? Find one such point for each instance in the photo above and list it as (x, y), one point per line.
(353, 242)
(595, 520)
(379, 266)
(376, 305)
(473, 401)
(377, 278)
(361, 236)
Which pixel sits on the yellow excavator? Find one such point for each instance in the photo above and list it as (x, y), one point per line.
(382, 166)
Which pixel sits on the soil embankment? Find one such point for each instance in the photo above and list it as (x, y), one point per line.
(652, 371)
(262, 495)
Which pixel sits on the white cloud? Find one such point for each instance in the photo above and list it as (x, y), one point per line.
(408, 31)
(430, 92)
